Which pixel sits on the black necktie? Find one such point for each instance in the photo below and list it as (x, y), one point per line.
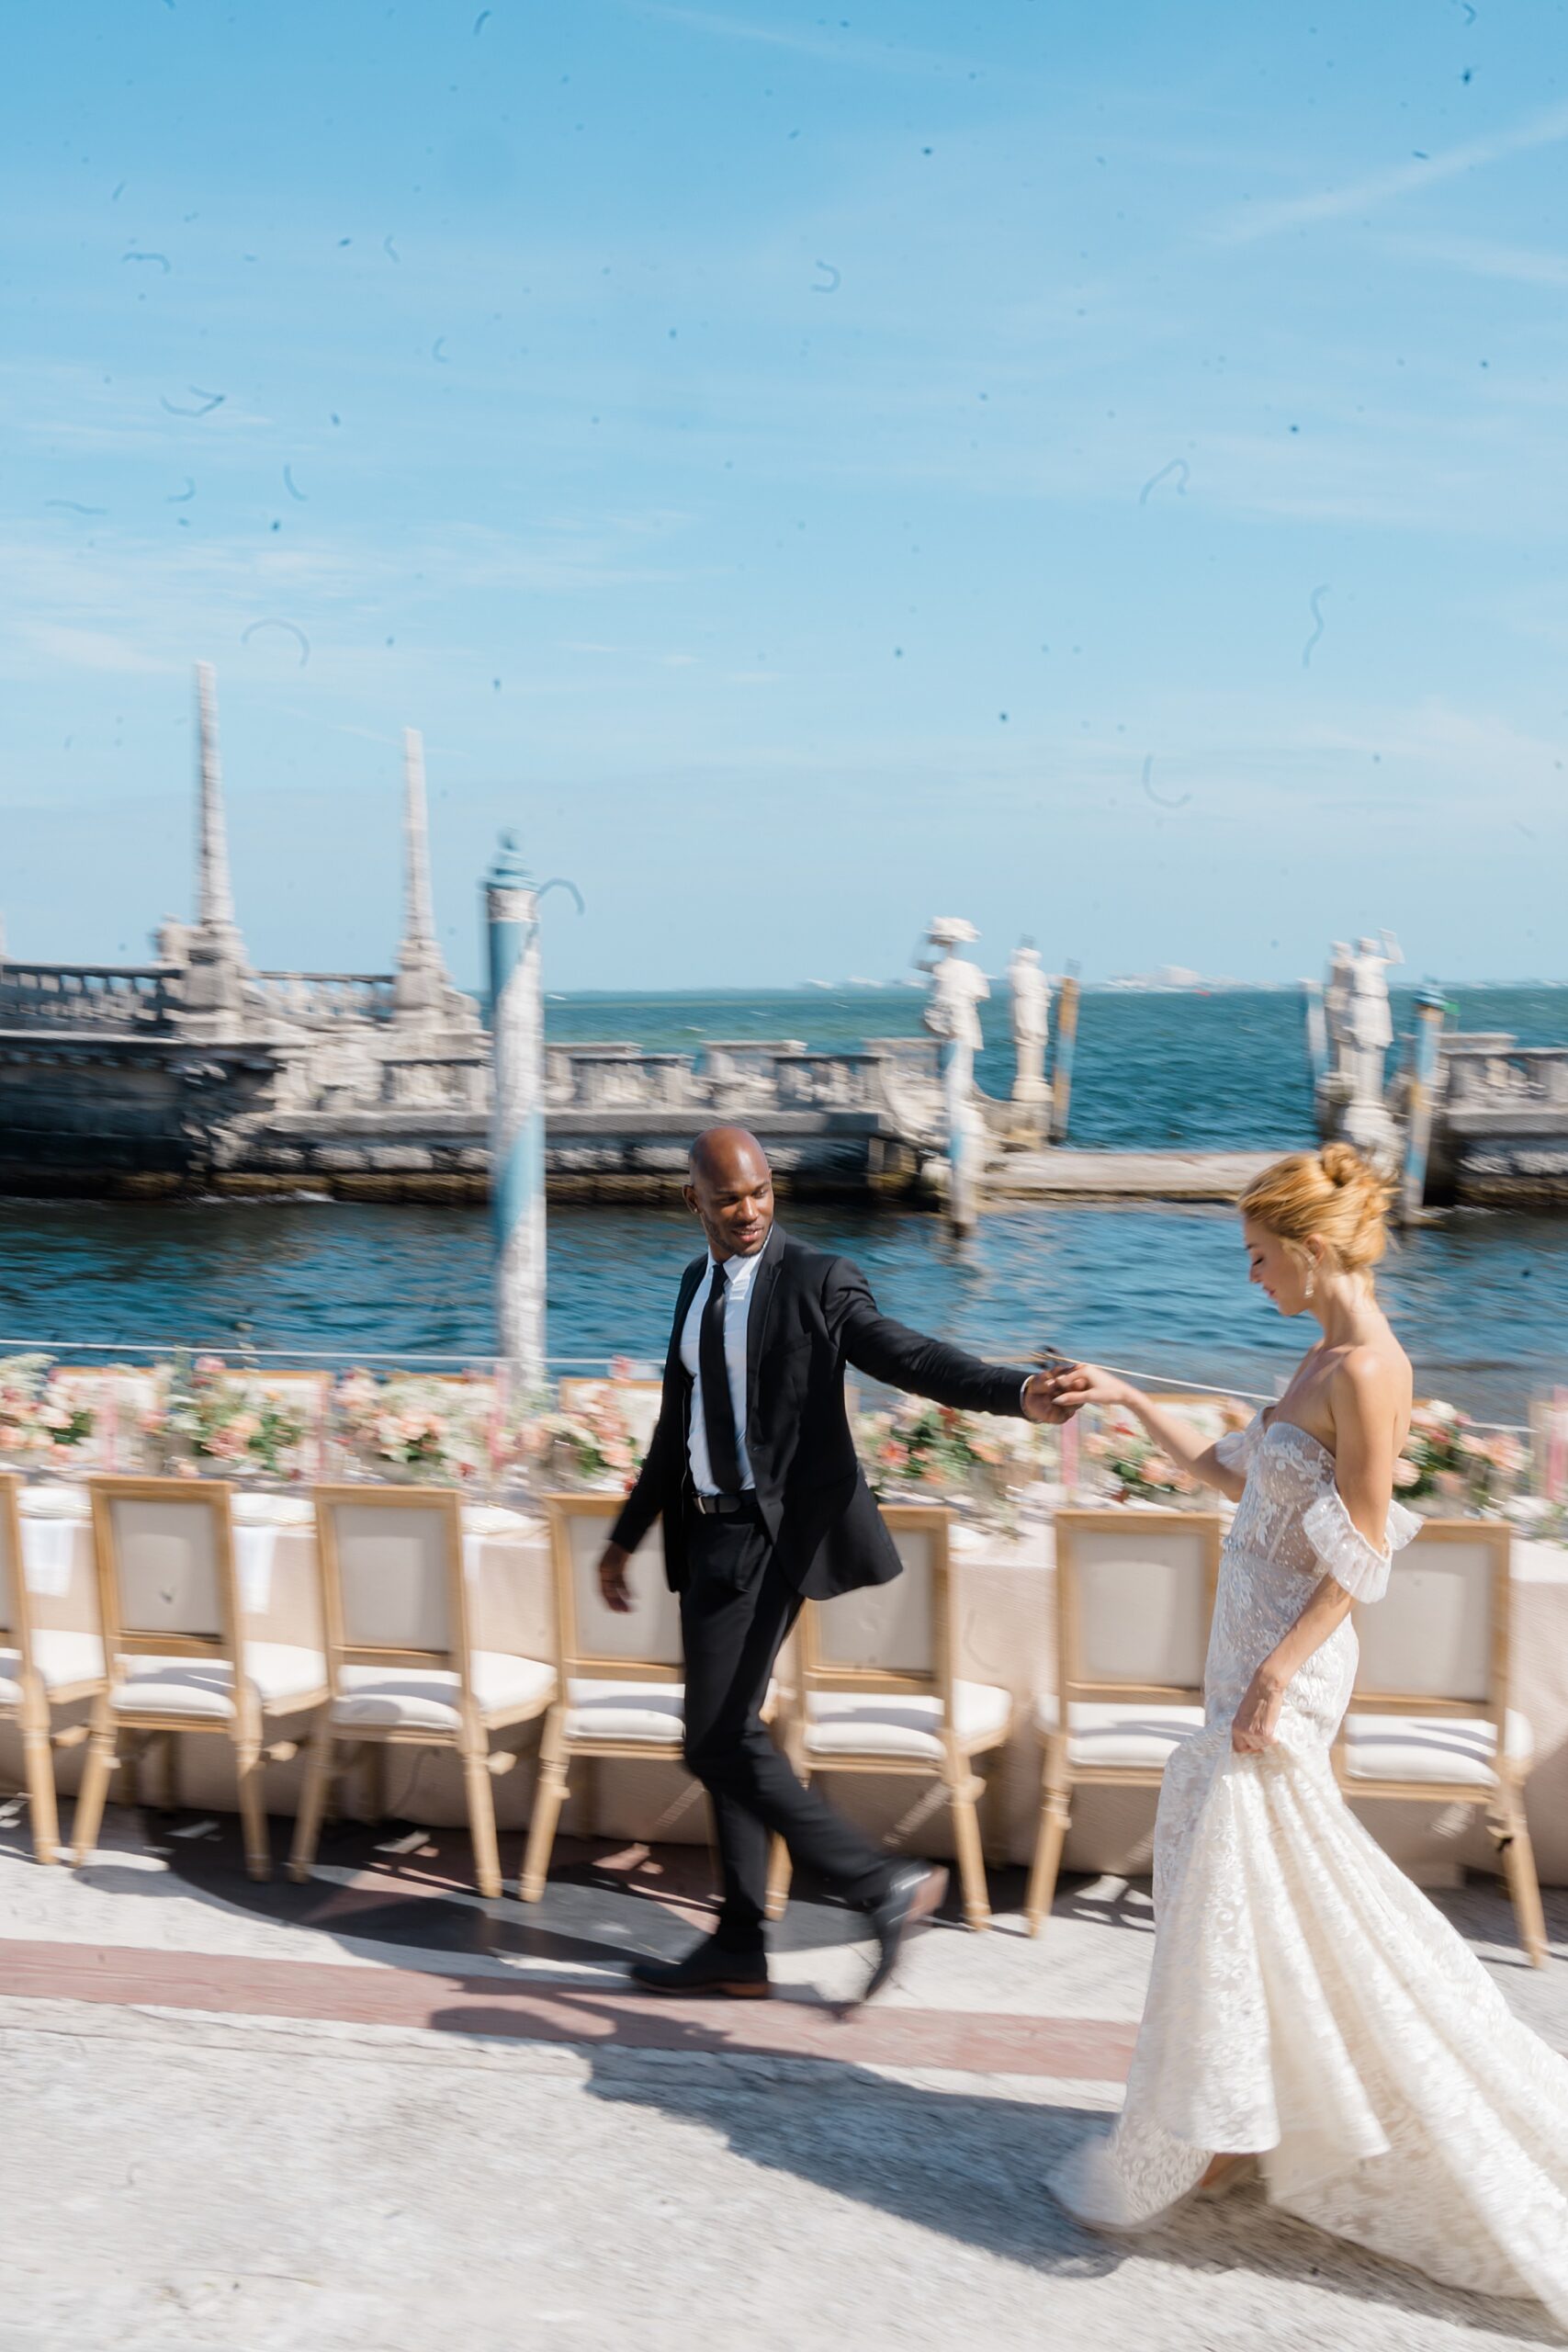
(719, 1411)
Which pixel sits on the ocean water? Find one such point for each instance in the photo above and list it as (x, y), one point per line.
(1481, 1300)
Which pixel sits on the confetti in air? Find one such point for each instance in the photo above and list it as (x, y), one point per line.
(1178, 466)
(1158, 801)
(293, 628)
(1317, 615)
(210, 400)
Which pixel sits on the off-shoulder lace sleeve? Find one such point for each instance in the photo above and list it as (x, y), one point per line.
(1235, 1450)
(1345, 1552)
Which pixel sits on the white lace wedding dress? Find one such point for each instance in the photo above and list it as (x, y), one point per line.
(1306, 2001)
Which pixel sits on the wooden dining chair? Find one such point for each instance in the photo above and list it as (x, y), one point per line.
(40, 1669)
(401, 1666)
(620, 1678)
(1135, 1595)
(878, 1691)
(1429, 1719)
(179, 1658)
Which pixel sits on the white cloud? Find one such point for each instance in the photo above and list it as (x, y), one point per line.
(89, 649)
(1377, 188)
(125, 602)
(1483, 257)
(898, 57)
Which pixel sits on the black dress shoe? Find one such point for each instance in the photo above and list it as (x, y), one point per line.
(735, 1975)
(917, 1891)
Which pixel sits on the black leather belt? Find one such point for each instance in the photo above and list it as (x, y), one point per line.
(723, 1506)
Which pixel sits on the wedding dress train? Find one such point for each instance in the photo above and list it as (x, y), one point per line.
(1306, 2003)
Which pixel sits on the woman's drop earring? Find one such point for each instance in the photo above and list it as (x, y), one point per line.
(1310, 1281)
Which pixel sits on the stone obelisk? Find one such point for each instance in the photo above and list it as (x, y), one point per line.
(422, 983)
(216, 953)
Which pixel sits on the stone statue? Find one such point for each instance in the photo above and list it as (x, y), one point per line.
(1371, 1026)
(1031, 994)
(957, 985)
(957, 988)
(1337, 997)
(1365, 1034)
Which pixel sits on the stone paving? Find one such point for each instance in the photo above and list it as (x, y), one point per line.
(378, 2113)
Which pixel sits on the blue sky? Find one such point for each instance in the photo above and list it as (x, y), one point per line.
(1098, 470)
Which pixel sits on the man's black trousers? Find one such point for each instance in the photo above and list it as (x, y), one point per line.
(736, 1611)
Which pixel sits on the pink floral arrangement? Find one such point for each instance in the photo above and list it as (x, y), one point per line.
(592, 1446)
(1451, 1464)
(210, 1418)
(37, 1423)
(1121, 1454)
(973, 1457)
(409, 1423)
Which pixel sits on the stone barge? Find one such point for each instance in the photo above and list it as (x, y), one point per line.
(155, 1117)
(197, 1074)
(159, 1113)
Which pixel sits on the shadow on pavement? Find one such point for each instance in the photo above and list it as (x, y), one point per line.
(973, 2168)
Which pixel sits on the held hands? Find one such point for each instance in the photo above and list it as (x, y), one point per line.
(1257, 1724)
(613, 1590)
(1045, 1398)
(1087, 1384)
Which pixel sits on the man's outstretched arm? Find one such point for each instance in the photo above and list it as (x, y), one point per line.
(901, 1358)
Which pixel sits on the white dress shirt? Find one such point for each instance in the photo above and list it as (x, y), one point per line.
(739, 1283)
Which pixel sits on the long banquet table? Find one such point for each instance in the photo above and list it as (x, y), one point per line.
(1004, 1588)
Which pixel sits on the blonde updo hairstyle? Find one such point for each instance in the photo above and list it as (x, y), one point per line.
(1333, 1196)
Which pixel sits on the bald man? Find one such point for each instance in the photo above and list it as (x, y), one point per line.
(752, 1471)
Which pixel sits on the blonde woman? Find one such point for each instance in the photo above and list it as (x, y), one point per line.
(1311, 2016)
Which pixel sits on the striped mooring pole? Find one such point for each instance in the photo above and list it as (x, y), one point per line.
(517, 1120)
(965, 1136)
(1430, 1007)
(1316, 1031)
(1062, 1058)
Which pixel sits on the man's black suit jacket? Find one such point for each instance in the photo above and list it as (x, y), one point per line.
(810, 1315)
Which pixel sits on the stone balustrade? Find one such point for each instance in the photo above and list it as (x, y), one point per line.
(745, 1061)
(1494, 1075)
(87, 996)
(809, 1082)
(322, 996)
(910, 1058)
(435, 1082)
(615, 1078)
(747, 1078)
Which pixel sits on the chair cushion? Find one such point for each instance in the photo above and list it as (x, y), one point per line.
(426, 1697)
(651, 1714)
(62, 1661)
(1124, 1734)
(1451, 1751)
(203, 1687)
(903, 1725)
